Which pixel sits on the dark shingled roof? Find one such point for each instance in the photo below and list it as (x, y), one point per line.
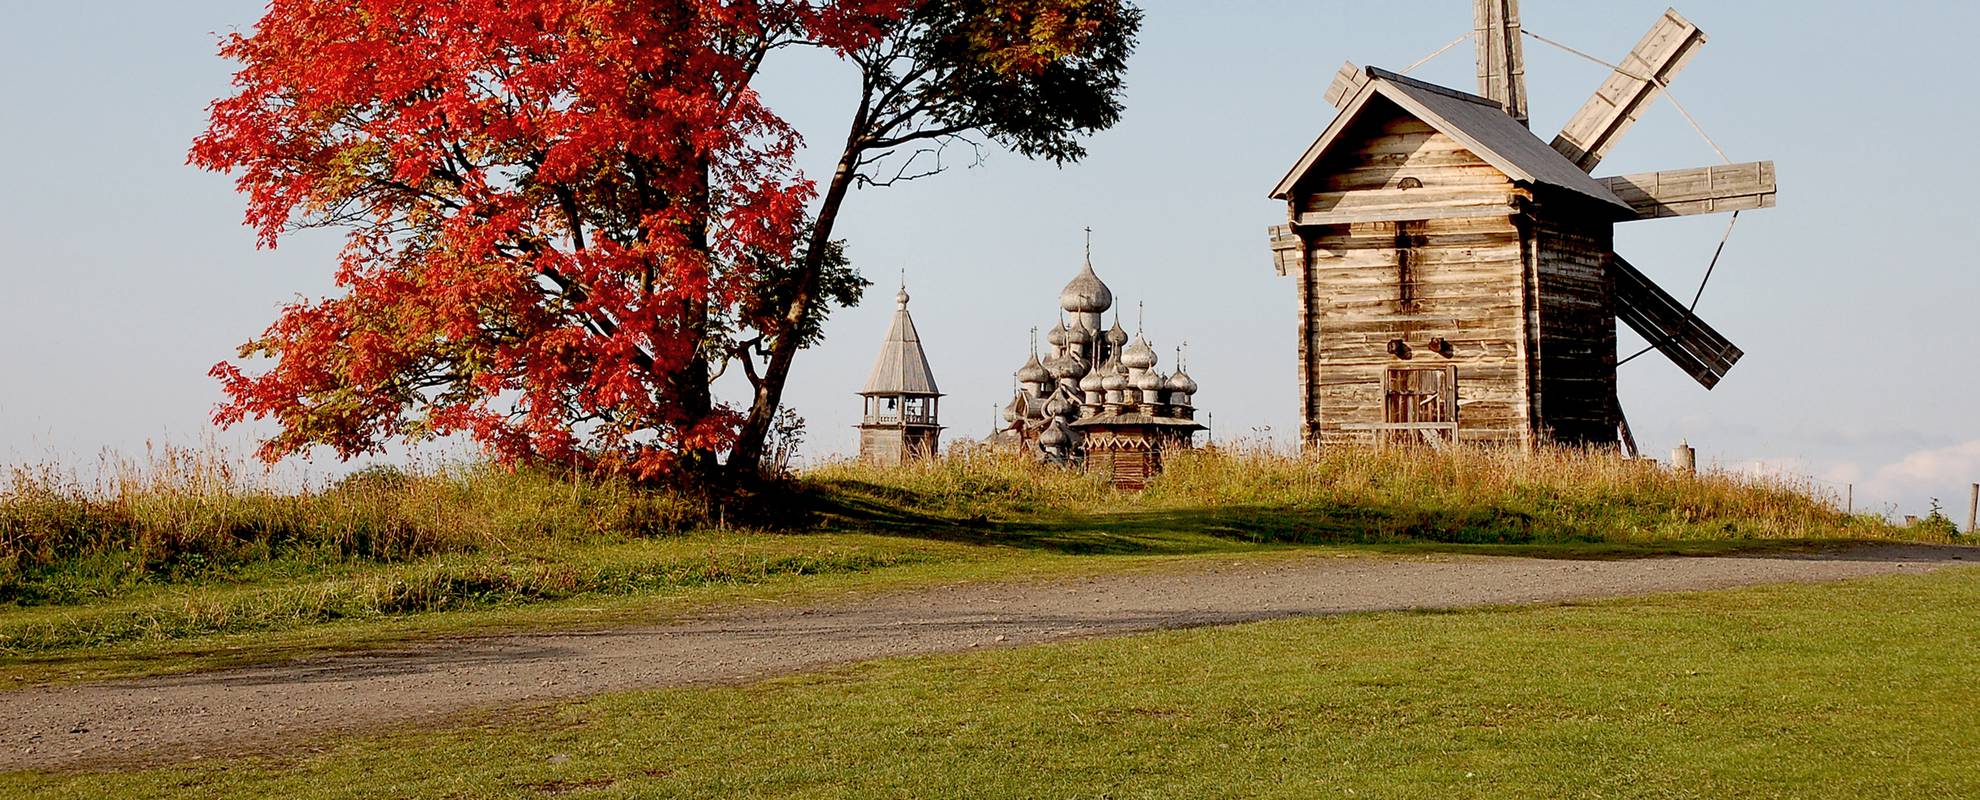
(1476, 122)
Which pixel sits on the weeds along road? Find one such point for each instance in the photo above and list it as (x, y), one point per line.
(273, 707)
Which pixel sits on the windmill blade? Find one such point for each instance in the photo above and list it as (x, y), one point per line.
(1347, 84)
(1671, 328)
(1501, 55)
(1594, 130)
(1706, 190)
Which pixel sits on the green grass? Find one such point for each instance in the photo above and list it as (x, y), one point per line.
(1859, 689)
(182, 563)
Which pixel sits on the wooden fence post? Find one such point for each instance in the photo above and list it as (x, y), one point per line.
(1849, 499)
(1973, 510)
(1685, 458)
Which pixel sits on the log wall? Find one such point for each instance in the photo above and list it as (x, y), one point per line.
(1575, 372)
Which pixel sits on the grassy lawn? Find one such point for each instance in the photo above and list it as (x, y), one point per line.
(1860, 689)
(208, 625)
(182, 565)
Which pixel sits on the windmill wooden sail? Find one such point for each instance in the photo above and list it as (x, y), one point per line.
(1594, 130)
(1438, 242)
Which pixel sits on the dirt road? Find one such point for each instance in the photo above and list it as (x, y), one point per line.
(268, 708)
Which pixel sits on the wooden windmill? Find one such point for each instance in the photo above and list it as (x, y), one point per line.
(1458, 275)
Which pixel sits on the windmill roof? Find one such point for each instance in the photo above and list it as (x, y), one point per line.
(902, 367)
(1481, 125)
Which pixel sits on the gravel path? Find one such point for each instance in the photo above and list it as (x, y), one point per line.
(267, 708)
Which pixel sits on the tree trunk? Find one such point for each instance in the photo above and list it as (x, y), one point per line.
(748, 452)
(692, 385)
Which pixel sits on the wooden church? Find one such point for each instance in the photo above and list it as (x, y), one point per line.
(1458, 280)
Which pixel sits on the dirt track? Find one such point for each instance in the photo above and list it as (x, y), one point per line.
(275, 706)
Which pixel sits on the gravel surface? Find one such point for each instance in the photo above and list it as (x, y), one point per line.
(277, 707)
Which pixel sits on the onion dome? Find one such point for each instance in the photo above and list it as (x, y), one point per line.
(1182, 383)
(1011, 412)
(1149, 381)
(1058, 406)
(1055, 437)
(1096, 378)
(1116, 335)
(1079, 337)
(1057, 336)
(1115, 381)
(1065, 367)
(1138, 355)
(1086, 294)
(1034, 372)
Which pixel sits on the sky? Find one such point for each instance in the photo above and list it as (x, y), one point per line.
(129, 274)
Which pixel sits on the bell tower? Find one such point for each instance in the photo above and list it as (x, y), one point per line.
(902, 416)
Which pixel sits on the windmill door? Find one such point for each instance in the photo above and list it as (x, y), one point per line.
(1421, 406)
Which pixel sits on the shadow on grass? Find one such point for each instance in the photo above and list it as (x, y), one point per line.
(893, 511)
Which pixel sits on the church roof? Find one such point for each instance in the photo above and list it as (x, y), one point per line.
(1132, 419)
(1481, 125)
(902, 367)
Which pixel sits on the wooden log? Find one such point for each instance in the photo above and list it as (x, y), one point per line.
(1705, 190)
(1407, 213)
(1288, 250)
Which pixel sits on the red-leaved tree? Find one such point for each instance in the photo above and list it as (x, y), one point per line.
(563, 218)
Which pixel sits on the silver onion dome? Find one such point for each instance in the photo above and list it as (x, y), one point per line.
(1139, 355)
(1115, 381)
(1182, 383)
(1116, 335)
(1149, 381)
(1095, 380)
(1057, 336)
(1086, 294)
(1065, 367)
(1055, 436)
(1034, 372)
(1079, 336)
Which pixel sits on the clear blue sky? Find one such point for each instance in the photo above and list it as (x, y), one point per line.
(128, 274)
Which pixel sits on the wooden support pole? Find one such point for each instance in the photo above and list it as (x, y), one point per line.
(1973, 510)
(1501, 55)
(1849, 499)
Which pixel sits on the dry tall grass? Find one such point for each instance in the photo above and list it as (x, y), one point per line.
(181, 512)
(197, 514)
(1465, 494)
